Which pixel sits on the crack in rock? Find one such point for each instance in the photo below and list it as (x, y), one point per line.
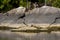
(54, 21)
(22, 17)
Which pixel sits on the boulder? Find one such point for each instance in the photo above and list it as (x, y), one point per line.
(10, 18)
(44, 16)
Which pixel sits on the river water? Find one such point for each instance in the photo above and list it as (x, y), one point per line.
(6, 35)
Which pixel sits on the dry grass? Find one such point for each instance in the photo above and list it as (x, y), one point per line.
(6, 28)
(54, 28)
(48, 29)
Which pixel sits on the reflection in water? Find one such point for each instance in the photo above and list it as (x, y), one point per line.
(29, 36)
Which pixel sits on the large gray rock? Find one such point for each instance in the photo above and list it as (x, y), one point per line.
(10, 18)
(41, 17)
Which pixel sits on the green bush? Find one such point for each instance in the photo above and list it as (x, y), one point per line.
(54, 3)
(6, 5)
